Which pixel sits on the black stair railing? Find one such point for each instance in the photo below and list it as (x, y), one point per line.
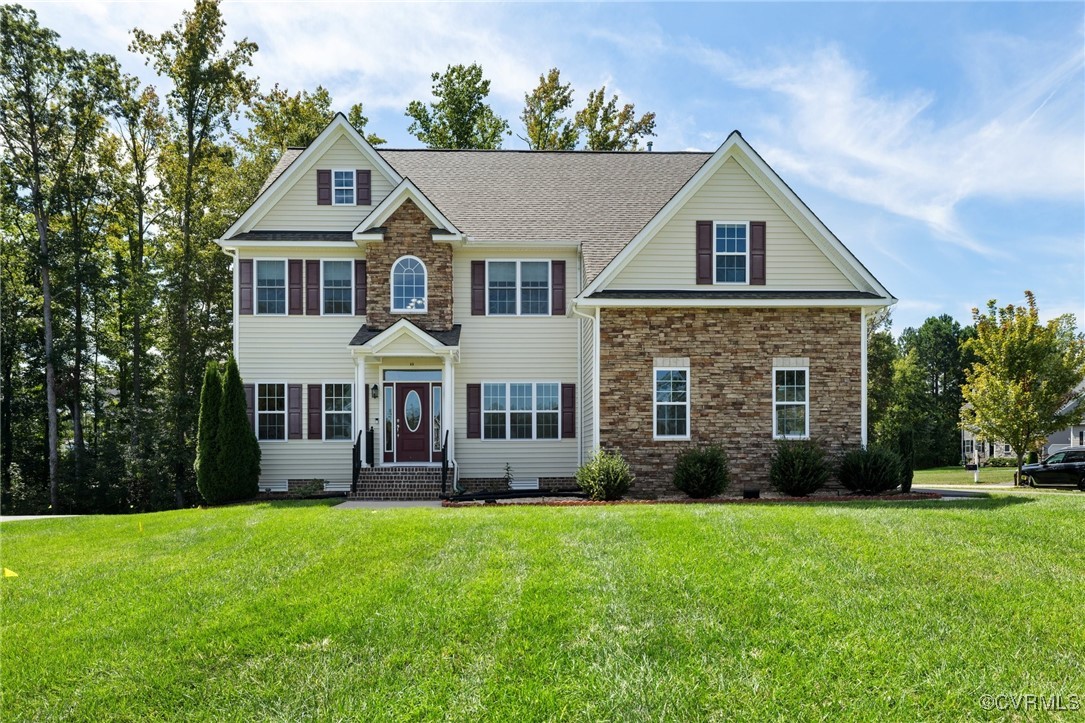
(444, 465)
(356, 459)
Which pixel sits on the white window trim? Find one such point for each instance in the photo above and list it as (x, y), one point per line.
(656, 403)
(508, 412)
(256, 287)
(715, 254)
(353, 186)
(352, 287)
(285, 413)
(518, 290)
(806, 404)
(324, 411)
(392, 286)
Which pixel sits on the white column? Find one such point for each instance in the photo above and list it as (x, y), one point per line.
(360, 396)
(448, 412)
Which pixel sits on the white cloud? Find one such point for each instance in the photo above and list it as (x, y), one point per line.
(836, 131)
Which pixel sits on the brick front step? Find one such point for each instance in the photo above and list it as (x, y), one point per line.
(399, 483)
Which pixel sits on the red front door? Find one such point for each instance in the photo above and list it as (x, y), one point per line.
(412, 427)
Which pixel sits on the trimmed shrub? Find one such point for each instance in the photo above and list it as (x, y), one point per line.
(208, 480)
(702, 472)
(799, 467)
(239, 452)
(871, 471)
(1001, 462)
(606, 476)
(1032, 457)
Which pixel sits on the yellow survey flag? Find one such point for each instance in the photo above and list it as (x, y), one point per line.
(10, 573)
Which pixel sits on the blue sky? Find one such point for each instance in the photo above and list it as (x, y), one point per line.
(943, 143)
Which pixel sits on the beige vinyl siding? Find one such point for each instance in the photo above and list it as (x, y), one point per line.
(792, 260)
(297, 208)
(514, 349)
(299, 350)
(587, 386)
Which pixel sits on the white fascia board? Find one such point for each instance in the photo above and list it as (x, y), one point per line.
(243, 244)
(735, 146)
(338, 127)
(725, 303)
(406, 189)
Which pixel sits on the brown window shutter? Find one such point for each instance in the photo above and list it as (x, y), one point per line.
(294, 283)
(478, 288)
(244, 290)
(557, 288)
(568, 411)
(757, 253)
(474, 411)
(359, 287)
(293, 411)
(250, 403)
(324, 188)
(312, 288)
(363, 182)
(704, 252)
(316, 412)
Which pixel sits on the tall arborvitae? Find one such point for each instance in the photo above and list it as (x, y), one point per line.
(238, 452)
(208, 479)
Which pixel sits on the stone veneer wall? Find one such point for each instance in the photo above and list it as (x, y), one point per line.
(408, 234)
(731, 353)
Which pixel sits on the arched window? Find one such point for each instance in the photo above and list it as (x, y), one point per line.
(409, 285)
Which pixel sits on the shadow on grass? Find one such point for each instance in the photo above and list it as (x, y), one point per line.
(977, 502)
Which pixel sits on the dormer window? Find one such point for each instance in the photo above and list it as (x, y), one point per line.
(343, 193)
(409, 286)
(732, 259)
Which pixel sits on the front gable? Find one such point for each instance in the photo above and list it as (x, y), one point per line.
(736, 187)
(291, 202)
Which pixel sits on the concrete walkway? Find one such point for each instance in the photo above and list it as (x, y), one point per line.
(385, 504)
(22, 518)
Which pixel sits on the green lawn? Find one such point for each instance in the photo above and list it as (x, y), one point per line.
(962, 476)
(297, 611)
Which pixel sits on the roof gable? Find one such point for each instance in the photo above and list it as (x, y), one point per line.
(303, 161)
(384, 210)
(735, 147)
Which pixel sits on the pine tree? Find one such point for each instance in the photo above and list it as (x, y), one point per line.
(208, 479)
(238, 452)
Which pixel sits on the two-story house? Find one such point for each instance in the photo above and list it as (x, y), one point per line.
(516, 310)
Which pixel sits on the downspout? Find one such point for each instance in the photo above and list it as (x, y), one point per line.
(594, 318)
(234, 254)
(863, 376)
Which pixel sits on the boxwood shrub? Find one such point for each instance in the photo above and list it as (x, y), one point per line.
(799, 467)
(702, 472)
(606, 476)
(872, 470)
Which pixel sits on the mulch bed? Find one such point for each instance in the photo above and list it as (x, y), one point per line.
(813, 499)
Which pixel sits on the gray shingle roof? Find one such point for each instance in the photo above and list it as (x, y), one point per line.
(288, 157)
(598, 199)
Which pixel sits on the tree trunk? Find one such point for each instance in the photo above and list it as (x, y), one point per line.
(50, 366)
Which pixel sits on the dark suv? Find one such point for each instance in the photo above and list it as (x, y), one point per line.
(1062, 469)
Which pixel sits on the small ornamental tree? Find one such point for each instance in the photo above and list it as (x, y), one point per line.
(239, 452)
(1026, 376)
(208, 480)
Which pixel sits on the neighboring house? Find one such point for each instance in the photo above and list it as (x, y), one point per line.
(1072, 436)
(534, 307)
(975, 450)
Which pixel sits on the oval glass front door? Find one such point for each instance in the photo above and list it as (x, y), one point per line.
(412, 410)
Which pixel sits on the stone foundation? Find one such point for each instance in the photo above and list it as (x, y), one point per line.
(731, 353)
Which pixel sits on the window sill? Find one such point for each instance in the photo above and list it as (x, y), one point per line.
(687, 438)
(410, 311)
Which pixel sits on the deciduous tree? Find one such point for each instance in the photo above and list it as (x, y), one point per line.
(459, 117)
(606, 128)
(1025, 375)
(547, 127)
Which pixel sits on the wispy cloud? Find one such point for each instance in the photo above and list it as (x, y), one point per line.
(835, 130)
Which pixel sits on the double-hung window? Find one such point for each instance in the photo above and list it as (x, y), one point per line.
(338, 408)
(270, 286)
(518, 288)
(671, 403)
(732, 253)
(790, 402)
(521, 410)
(343, 188)
(271, 411)
(337, 280)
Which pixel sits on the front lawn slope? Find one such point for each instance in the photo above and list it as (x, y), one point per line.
(298, 611)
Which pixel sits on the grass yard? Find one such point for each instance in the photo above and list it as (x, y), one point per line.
(296, 611)
(962, 476)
